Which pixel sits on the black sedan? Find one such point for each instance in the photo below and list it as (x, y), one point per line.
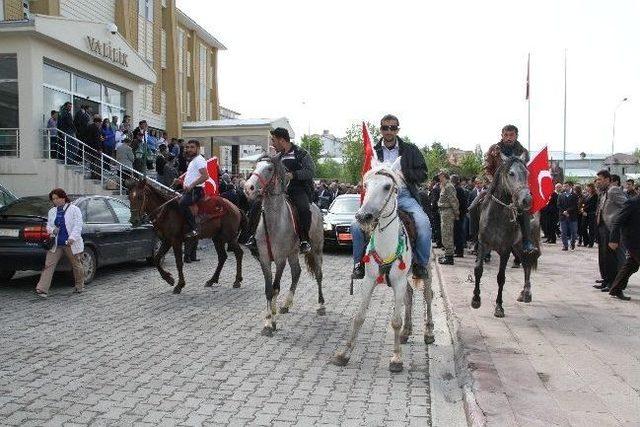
(109, 238)
(338, 218)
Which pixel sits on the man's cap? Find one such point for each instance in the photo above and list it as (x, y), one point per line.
(281, 133)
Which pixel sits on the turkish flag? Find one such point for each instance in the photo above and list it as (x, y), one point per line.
(369, 154)
(211, 187)
(540, 180)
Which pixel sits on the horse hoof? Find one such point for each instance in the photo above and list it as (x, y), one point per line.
(520, 297)
(170, 280)
(284, 310)
(404, 339)
(236, 285)
(395, 367)
(340, 359)
(321, 311)
(499, 312)
(209, 284)
(267, 332)
(177, 290)
(475, 303)
(527, 298)
(429, 339)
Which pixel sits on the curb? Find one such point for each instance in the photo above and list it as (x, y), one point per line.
(475, 415)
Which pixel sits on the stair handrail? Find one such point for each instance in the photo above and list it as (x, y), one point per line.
(48, 133)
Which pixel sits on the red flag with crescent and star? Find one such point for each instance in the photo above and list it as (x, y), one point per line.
(211, 187)
(369, 155)
(540, 180)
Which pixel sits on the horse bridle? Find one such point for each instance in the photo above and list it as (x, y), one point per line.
(392, 192)
(266, 183)
(511, 206)
(152, 215)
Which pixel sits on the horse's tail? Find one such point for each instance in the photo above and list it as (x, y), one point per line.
(311, 262)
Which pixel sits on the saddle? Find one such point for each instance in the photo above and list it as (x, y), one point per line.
(409, 226)
(209, 208)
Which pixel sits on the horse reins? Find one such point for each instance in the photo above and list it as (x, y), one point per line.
(394, 212)
(511, 206)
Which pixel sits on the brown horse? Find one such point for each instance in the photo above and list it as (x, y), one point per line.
(162, 210)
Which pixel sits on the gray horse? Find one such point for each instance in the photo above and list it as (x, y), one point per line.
(277, 239)
(499, 229)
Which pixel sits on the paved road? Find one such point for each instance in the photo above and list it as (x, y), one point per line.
(570, 357)
(129, 351)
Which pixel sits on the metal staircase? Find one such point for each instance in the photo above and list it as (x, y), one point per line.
(94, 165)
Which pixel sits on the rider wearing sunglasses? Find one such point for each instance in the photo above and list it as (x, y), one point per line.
(414, 173)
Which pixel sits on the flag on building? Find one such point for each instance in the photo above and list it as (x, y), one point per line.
(369, 154)
(211, 185)
(540, 180)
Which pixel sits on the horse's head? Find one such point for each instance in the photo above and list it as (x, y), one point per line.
(137, 201)
(514, 179)
(381, 187)
(267, 177)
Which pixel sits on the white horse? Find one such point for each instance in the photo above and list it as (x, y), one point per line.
(387, 260)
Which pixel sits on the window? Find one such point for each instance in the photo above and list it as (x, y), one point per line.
(145, 9)
(56, 77)
(1, 10)
(163, 49)
(8, 91)
(98, 212)
(188, 64)
(123, 213)
(113, 96)
(88, 89)
(202, 90)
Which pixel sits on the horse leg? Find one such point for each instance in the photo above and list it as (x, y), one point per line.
(477, 272)
(429, 337)
(341, 358)
(294, 264)
(268, 329)
(408, 307)
(504, 258)
(164, 248)
(177, 252)
(321, 310)
(222, 257)
(276, 290)
(525, 294)
(399, 290)
(237, 251)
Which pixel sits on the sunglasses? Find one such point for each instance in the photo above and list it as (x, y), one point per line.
(393, 127)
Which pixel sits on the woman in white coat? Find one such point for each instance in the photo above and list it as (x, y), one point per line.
(65, 222)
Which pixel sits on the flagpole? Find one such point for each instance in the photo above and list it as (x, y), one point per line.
(564, 144)
(528, 103)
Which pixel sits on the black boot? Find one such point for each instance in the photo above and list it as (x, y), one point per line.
(446, 260)
(358, 271)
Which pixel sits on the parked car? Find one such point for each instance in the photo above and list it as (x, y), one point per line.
(338, 218)
(109, 238)
(6, 196)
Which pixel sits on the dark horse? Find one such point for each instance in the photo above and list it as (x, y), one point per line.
(169, 224)
(499, 229)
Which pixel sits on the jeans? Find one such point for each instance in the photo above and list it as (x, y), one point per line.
(407, 203)
(568, 230)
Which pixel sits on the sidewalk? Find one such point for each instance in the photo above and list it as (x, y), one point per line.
(570, 357)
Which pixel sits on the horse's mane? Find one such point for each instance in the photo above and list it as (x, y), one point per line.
(160, 192)
(278, 167)
(384, 168)
(502, 169)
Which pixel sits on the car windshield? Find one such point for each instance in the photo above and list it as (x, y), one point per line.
(345, 205)
(33, 206)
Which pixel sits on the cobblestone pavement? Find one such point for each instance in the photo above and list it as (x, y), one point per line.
(128, 351)
(570, 357)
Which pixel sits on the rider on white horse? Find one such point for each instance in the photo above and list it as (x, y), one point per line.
(413, 172)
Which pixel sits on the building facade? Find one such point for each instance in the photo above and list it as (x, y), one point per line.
(143, 58)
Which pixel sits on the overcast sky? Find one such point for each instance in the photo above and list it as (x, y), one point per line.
(452, 71)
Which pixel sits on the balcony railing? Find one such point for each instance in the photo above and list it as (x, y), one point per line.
(9, 142)
(96, 165)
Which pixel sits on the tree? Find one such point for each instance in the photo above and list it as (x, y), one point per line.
(470, 165)
(435, 157)
(329, 169)
(313, 145)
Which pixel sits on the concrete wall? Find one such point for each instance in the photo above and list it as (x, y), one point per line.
(24, 177)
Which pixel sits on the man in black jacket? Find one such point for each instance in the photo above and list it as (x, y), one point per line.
(627, 224)
(568, 210)
(414, 171)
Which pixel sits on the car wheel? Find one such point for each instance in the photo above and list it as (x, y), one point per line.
(89, 264)
(6, 275)
(156, 248)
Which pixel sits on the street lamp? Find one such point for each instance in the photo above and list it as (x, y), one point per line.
(613, 136)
